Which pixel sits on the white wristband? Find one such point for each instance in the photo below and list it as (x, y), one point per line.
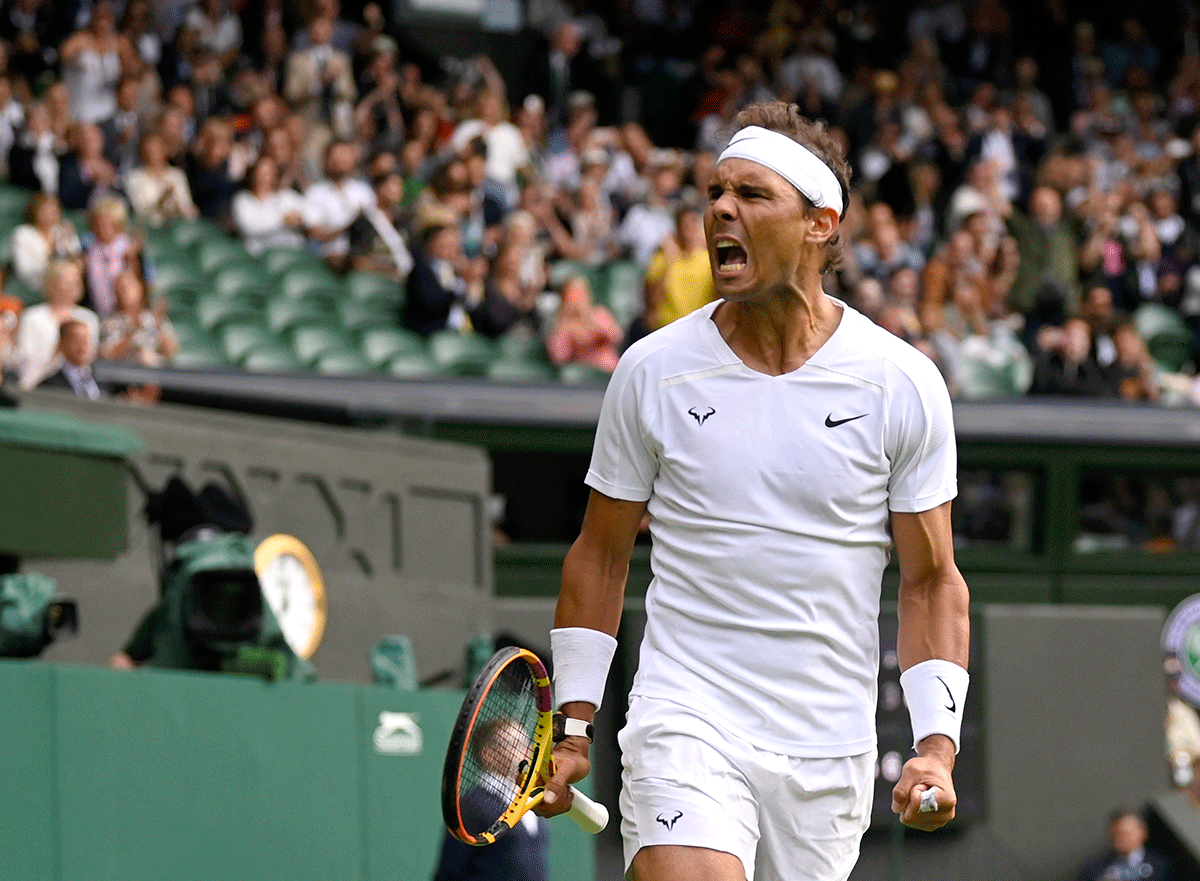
(935, 692)
(582, 657)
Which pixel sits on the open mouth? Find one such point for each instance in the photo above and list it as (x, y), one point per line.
(731, 257)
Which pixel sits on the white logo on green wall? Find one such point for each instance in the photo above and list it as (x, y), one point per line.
(398, 734)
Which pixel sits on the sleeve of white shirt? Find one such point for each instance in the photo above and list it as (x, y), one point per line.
(624, 459)
(920, 439)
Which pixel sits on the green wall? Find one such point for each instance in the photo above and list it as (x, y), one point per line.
(140, 776)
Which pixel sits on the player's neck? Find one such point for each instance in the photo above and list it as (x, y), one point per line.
(778, 335)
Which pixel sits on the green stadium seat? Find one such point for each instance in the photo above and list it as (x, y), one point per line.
(414, 365)
(283, 314)
(382, 344)
(240, 337)
(189, 333)
(461, 354)
(521, 347)
(213, 311)
(373, 286)
(237, 278)
(1167, 335)
(79, 220)
(341, 361)
(17, 288)
(358, 316)
(622, 291)
(303, 281)
(277, 261)
(576, 373)
(216, 254)
(169, 275)
(514, 370)
(189, 233)
(200, 357)
(271, 359)
(311, 342)
(14, 199)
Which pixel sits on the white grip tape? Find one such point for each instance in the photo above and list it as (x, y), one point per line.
(935, 692)
(929, 802)
(582, 657)
(591, 816)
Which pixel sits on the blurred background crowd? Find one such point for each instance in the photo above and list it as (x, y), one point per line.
(1025, 206)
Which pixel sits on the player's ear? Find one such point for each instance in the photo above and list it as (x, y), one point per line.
(824, 225)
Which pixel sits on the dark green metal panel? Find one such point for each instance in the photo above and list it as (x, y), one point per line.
(29, 830)
(201, 777)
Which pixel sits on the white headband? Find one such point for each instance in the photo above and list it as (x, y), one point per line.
(802, 168)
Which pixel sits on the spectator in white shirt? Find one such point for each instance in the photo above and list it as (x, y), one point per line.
(333, 204)
(44, 236)
(266, 215)
(36, 352)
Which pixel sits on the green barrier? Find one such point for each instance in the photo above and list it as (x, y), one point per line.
(144, 775)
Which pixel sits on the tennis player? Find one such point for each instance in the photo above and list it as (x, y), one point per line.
(773, 436)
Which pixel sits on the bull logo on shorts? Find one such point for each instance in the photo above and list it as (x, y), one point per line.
(668, 818)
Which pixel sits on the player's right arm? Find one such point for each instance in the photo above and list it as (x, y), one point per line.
(595, 571)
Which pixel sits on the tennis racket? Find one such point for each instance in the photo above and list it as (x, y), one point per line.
(500, 751)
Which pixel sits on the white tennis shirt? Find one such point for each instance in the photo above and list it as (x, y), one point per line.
(769, 500)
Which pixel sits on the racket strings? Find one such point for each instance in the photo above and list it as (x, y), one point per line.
(500, 746)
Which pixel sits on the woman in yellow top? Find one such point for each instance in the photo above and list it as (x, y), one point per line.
(679, 279)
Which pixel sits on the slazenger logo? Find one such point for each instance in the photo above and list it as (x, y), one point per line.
(398, 734)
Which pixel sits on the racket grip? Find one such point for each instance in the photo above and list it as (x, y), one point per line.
(929, 802)
(591, 816)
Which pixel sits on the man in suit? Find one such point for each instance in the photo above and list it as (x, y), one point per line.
(319, 86)
(1128, 858)
(78, 351)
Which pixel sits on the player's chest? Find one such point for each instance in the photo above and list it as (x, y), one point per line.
(820, 438)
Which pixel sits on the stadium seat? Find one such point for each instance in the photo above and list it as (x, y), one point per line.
(373, 286)
(561, 270)
(169, 275)
(199, 357)
(271, 359)
(341, 361)
(283, 314)
(213, 254)
(213, 310)
(995, 366)
(13, 198)
(517, 370)
(1167, 336)
(189, 333)
(302, 281)
(240, 337)
(277, 261)
(622, 291)
(413, 365)
(461, 354)
(17, 288)
(188, 233)
(521, 347)
(237, 278)
(358, 316)
(380, 345)
(310, 342)
(576, 373)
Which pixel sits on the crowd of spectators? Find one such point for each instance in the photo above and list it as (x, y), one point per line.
(1025, 204)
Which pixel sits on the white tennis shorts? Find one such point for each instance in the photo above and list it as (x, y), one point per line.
(687, 782)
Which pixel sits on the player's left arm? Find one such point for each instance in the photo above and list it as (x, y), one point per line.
(933, 627)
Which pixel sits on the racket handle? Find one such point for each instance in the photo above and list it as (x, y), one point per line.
(591, 816)
(929, 802)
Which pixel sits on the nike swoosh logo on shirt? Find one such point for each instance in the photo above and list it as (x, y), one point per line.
(830, 422)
